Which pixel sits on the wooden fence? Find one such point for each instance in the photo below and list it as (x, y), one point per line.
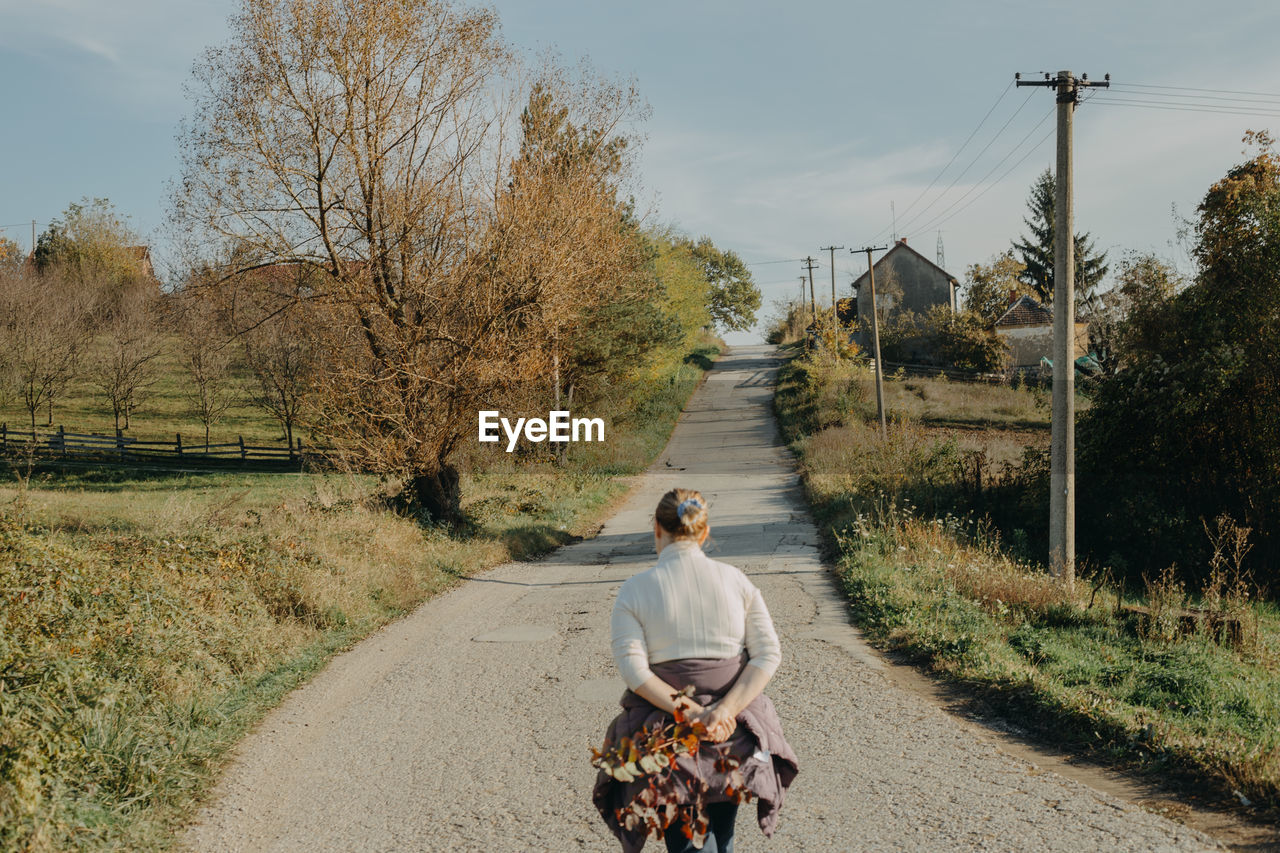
(125, 450)
(935, 371)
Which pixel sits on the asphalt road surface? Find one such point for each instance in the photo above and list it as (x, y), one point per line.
(466, 726)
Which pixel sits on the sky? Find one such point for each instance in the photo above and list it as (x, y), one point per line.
(774, 128)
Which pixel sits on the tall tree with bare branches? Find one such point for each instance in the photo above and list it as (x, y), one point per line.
(365, 139)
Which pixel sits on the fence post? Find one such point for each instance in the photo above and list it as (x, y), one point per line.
(120, 443)
(4, 436)
(178, 443)
(62, 441)
(243, 455)
(300, 460)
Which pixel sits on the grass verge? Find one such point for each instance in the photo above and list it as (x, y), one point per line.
(1148, 679)
(149, 620)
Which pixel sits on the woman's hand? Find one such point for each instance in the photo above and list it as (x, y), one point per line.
(691, 709)
(720, 722)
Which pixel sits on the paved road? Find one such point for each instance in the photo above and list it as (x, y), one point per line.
(466, 726)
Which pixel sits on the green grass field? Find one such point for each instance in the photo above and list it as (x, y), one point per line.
(164, 410)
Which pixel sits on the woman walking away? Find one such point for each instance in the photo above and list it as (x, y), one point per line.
(693, 622)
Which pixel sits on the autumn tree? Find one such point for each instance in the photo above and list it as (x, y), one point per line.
(92, 245)
(368, 141)
(563, 233)
(1126, 320)
(1190, 429)
(734, 297)
(10, 255)
(991, 287)
(129, 343)
(1036, 251)
(686, 289)
(44, 333)
(284, 352)
(965, 340)
(207, 355)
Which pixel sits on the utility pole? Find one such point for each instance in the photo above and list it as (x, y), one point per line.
(835, 318)
(803, 300)
(1062, 471)
(809, 265)
(875, 336)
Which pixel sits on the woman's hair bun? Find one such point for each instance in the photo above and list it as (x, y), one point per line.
(683, 513)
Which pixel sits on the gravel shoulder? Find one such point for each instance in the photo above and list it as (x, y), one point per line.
(466, 726)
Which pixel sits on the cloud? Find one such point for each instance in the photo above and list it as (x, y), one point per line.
(93, 47)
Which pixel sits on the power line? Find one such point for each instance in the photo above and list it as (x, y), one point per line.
(767, 263)
(972, 163)
(1175, 97)
(1195, 89)
(1188, 108)
(959, 151)
(1033, 149)
(943, 217)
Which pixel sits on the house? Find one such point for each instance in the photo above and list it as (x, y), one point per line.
(905, 281)
(1027, 327)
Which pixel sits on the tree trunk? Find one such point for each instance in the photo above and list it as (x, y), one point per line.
(438, 494)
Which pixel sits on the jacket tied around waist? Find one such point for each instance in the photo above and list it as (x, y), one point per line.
(766, 761)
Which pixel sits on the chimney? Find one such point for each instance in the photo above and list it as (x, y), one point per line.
(902, 240)
(1013, 296)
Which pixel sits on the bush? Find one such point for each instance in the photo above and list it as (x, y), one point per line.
(1190, 431)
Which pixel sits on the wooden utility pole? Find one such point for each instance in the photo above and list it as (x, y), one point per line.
(809, 265)
(1062, 470)
(835, 317)
(875, 337)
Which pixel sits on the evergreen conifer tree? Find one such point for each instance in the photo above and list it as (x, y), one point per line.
(1036, 250)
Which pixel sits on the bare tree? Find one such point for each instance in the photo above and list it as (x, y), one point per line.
(365, 139)
(129, 344)
(44, 322)
(207, 357)
(282, 347)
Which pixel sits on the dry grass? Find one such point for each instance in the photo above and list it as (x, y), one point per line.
(941, 402)
(149, 619)
(926, 573)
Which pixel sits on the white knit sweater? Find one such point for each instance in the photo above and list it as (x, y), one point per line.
(690, 606)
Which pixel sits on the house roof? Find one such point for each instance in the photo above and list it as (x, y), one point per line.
(902, 245)
(1026, 312)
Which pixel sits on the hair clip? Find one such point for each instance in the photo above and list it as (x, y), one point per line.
(685, 504)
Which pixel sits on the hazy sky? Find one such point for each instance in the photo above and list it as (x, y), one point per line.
(776, 128)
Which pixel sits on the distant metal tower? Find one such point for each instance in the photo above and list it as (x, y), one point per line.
(942, 254)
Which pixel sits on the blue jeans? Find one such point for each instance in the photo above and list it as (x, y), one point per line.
(720, 818)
